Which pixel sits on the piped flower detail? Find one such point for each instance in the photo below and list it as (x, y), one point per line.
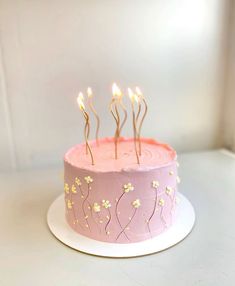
(88, 179)
(73, 189)
(66, 188)
(106, 204)
(169, 190)
(96, 208)
(161, 202)
(69, 204)
(136, 203)
(128, 188)
(155, 184)
(78, 181)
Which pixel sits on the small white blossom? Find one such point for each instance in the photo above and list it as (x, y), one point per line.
(161, 202)
(88, 179)
(69, 204)
(96, 208)
(136, 204)
(78, 181)
(106, 204)
(155, 184)
(73, 189)
(66, 188)
(178, 179)
(128, 188)
(169, 190)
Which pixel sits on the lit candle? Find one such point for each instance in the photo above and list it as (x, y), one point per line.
(114, 104)
(133, 97)
(91, 106)
(140, 100)
(80, 101)
(118, 95)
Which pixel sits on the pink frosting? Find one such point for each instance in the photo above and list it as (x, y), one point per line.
(152, 187)
(154, 154)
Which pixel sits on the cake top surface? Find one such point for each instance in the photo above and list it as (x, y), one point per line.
(154, 155)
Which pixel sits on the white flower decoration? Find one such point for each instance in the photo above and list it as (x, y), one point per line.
(161, 202)
(106, 204)
(128, 188)
(136, 204)
(69, 204)
(169, 190)
(73, 189)
(96, 208)
(66, 188)
(178, 179)
(155, 184)
(88, 179)
(78, 181)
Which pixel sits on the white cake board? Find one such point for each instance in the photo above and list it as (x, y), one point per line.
(182, 226)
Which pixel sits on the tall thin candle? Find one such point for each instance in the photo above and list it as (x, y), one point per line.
(140, 100)
(115, 103)
(91, 106)
(80, 101)
(133, 98)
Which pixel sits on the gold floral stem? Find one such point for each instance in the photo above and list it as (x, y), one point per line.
(97, 223)
(116, 212)
(97, 120)
(83, 205)
(141, 123)
(75, 218)
(162, 218)
(123, 230)
(80, 188)
(152, 214)
(108, 221)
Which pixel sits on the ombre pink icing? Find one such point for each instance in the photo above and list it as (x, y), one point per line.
(120, 201)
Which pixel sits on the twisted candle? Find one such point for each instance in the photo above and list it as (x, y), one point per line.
(115, 103)
(133, 98)
(91, 106)
(80, 101)
(140, 100)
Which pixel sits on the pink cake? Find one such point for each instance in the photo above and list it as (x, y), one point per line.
(119, 201)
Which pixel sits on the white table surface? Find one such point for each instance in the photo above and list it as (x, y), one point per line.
(31, 255)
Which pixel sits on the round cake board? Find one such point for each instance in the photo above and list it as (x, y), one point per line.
(183, 224)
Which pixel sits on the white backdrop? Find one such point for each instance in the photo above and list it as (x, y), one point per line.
(175, 50)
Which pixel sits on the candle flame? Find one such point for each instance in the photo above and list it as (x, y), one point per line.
(116, 91)
(133, 97)
(138, 91)
(80, 101)
(89, 92)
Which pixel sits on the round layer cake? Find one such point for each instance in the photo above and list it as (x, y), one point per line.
(118, 200)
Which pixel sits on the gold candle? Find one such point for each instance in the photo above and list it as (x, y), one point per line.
(115, 104)
(140, 100)
(133, 98)
(119, 96)
(91, 106)
(80, 101)
(115, 114)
